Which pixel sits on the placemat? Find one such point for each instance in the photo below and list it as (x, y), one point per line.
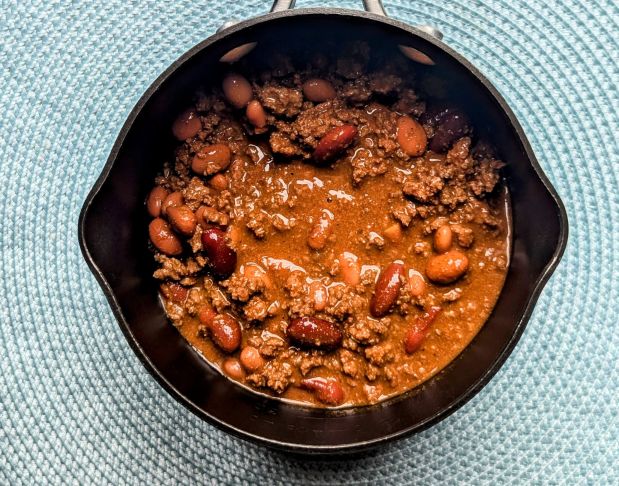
(76, 406)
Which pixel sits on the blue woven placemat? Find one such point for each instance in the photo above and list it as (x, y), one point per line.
(76, 406)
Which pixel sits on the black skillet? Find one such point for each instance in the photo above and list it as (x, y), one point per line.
(113, 237)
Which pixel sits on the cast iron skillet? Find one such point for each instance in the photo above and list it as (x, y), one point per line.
(113, 237)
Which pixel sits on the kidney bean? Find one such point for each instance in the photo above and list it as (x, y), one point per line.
(447, 267)
(314, 332)
(222, 257)
(219, 182)
(211, 159)
(387, 289)
(318, 90)
(232, 367)
(333, 142)
(393, 233)
(174, 292)
(226, 332)
(319, 295)
(320, 231)
(327, 390)
(419, 330)
(206, 315)
(174, 199)
(154, 201)
(164, 238)
(251, 359)
(255, 114)
(449, 124)
(411, 136)
(350, 268)
(416, 283)
(187, 125)
(182, 220)
(237, 90)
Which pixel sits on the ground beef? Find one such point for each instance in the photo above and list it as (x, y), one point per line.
(275, 375)
(175, 269)
(404, 212)
(379, 354)
(256, 309)
(241, 288)
(352, 364)
(281, 100)
(453, 180)
(343, 301)
(367, 331)
(257, 223)
(408, 104)
(464, 235)
(197, 194)
(356, 91)
(308, 361)
(271, 346)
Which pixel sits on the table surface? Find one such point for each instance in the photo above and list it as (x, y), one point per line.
(76, 406)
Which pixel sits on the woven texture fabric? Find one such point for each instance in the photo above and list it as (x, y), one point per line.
(76, 406)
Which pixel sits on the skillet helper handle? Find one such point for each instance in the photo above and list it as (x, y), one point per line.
(372, 6)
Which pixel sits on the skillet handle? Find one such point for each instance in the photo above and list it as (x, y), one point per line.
(372, 6)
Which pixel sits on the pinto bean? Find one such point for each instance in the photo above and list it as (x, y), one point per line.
(318, 90)
(182, 220)
(319, 295)
(226, 332)
(416, 283)
(154, 201)
(419, 330)
(350, 268)
(219, 182)
(173, 199)
(164, 238)
(393, 233)
(232, 368)
(443, 239)
(255, 114)
(387, 289)
(327, 390)
(211, 159)
(334, 142)
(222, 257)
(411, 136)
(187, 125)
(447, 267)
(320, 232)
(174, 292)
(237, 90)
(314, 332)
(251, 359)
